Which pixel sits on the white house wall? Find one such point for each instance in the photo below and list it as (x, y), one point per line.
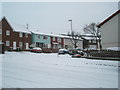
(109, 32)
(70, 45)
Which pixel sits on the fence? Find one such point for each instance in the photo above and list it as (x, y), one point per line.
(50, 50)
(2, 49)
(103, 53)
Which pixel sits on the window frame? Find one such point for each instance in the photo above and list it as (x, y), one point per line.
(20, 44)
(59, 39)
(7, 43)
(26, 35)
(7, 32)
(0, 31)
(39, 36)
(20, 34)
(45, 37)
(54, 38)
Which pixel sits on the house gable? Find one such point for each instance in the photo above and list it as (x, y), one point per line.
(110, 17)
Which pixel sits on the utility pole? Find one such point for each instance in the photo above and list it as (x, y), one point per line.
(71, 25)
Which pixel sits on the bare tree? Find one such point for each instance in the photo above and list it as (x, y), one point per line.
(74, 37)
(92, 29)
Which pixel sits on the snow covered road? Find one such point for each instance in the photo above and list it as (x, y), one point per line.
(34, 70)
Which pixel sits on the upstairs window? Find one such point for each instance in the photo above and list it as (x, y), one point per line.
(38, 36)
(90, 41)
(0, 31)
(7, 32)
(20, 34)
(59, 39)
(54, 39)
(44, 37)
(26, 35)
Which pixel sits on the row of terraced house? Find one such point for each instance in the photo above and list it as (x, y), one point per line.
(14, 36)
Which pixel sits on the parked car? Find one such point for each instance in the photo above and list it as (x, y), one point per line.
(72, 51)
(86, 49)
(63, 51)
(76, 51)
(76, 56)
(36, 50)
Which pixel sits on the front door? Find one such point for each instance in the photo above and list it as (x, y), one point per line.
(27, 46)
(14, 45)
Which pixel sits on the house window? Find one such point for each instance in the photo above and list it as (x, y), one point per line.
(20, 44)
(26, 35)
(89, 41)
(7, 32)
(7, 43)
(44, 37)
(54, 39)
(94, 41)
(38, 36)
(0, 31)
(59, 39)
(46, 45)
(20, 34)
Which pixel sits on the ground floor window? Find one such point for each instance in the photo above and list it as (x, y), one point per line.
(49, 45)
(55, 45)
(20, 45)
(7, 43)
(59, 46)
(45, 45)
(38, 44)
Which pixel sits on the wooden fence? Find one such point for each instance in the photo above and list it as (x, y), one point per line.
(49, 50)
(103, 53)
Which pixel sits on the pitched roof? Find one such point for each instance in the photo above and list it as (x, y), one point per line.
(17, 27)
(110, 17)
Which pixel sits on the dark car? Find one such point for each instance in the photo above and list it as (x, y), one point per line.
(76, 51)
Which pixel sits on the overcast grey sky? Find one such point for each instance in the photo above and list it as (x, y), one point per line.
(53, 17)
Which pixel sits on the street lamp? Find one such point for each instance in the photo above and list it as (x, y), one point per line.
(71, 25)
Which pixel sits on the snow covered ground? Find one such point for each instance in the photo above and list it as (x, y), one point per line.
(35, 70)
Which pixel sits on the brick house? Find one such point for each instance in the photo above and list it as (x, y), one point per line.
(57, 41)
(15, 36)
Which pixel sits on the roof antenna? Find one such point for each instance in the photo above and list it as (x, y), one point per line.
(27, 26)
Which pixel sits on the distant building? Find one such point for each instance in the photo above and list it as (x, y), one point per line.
(68, 43)
(57, 41)
(14, 36)
(43, 40)
(110, 31)
(89, 41)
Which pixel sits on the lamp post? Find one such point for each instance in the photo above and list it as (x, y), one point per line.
(71, 25)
